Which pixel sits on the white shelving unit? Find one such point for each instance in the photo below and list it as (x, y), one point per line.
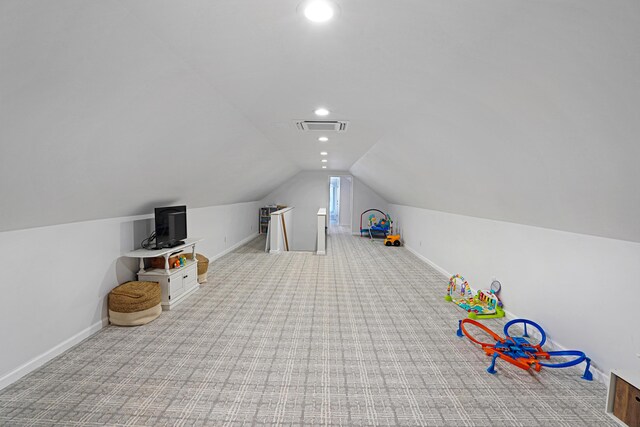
(264, 216)
(175, 283)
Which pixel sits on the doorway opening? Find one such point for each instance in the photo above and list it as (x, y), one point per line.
(341, 201)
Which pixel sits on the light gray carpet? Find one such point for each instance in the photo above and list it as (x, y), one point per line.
(361, 336)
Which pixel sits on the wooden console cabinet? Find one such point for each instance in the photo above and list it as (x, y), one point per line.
(175, 283)
(623, 400)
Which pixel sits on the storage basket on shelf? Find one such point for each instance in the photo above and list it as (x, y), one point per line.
(203, 265)
(159, 262)
(134, 303)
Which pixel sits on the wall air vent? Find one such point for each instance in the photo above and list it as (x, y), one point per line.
(322, 125)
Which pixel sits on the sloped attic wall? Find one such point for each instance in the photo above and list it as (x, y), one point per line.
(540, 127)
(551, 143)
(100, 119)
(586, 185)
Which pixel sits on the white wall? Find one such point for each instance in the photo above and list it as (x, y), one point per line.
(346, 215)
(223, 227)
(55, 286)
(583, 290)
(307, 192)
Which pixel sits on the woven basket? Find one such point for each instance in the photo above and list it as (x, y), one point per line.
(132, 297)
(203, 263)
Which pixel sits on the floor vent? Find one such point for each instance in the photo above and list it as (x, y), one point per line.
(322, 125)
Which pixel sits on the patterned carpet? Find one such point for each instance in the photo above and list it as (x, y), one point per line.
(361, 336)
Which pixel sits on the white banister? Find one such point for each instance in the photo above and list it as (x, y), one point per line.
(281, 230)
(321, 247)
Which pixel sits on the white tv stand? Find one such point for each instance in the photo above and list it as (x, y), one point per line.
(175, 283)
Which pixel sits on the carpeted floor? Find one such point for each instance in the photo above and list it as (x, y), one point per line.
(361, 336)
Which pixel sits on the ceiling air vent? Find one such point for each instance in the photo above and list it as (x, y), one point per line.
(322, 125)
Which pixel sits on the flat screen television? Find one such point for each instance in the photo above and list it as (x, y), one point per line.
(171, 226)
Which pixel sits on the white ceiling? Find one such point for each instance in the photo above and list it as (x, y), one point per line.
(526, 111)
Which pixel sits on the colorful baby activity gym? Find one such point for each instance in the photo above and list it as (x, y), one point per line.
(518, 351)
(484, 304)
(378, 226)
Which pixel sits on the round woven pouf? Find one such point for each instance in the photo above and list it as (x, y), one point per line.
(134, 303)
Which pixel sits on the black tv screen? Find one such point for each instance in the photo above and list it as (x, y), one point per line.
(171, 226)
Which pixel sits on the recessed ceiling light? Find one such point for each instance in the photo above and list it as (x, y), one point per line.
(323, 153)
(324, 160)
(319, 10)
(323, 139)
(324, 167)
(322, 112)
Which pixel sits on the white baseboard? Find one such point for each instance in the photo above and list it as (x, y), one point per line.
(48, 355)
(551, 345)
(234, 247)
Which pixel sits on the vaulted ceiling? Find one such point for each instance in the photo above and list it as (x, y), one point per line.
(512, 110)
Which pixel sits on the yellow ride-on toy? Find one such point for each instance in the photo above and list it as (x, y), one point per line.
(392, 240)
